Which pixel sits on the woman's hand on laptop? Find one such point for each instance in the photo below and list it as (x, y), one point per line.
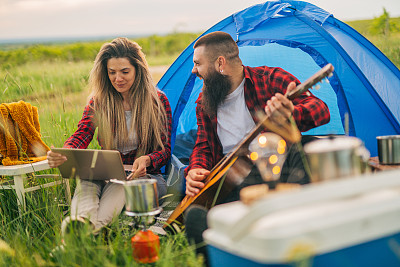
(139, 167)
(55, 159)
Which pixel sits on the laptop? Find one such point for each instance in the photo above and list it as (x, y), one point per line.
(91, 164)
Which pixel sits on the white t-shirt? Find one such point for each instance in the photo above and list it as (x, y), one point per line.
(234, 120)
(132, 135)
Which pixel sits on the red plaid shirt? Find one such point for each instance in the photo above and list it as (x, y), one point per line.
(86, 128)
(260, 85)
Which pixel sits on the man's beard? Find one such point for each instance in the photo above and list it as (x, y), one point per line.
(215, 90)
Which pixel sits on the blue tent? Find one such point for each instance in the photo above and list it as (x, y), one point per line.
(301, 38)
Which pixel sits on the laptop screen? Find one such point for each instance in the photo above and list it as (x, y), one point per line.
(91, 164)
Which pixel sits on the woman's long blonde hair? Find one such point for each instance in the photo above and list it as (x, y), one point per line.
(148, 113)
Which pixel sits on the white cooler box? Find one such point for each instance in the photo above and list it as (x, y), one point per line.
(347, 222)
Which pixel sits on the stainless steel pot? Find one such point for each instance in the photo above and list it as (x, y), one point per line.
(389, 149)
(141, 197)
(338, 157)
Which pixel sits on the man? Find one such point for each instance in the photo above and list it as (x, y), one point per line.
(231, 95)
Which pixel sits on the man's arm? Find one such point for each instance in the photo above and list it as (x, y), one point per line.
(200, 161)
(308, 111)
(201, 156)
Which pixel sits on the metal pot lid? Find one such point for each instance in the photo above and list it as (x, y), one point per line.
(332, 144)
(388, 137)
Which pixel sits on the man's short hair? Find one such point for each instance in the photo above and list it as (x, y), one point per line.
(218, 44)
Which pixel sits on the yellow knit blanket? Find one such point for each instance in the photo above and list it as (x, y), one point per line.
(20, 139)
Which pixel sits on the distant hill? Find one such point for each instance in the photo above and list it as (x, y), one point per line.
(159, 49)
(362, 26)
(61, 40)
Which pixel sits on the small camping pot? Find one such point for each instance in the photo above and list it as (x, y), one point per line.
(389, 149)
(336, 157)
(141, 197)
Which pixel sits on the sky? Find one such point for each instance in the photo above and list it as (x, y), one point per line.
(35, 19)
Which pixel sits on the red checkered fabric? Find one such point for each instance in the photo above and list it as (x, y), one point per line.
(86, 128)
(260, 85)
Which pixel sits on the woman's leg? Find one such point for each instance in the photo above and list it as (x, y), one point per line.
(85, 202)
(112, 201)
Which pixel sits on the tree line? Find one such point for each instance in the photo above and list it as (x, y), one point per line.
(152, 46)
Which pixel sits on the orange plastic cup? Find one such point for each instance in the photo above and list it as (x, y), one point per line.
(145, 246)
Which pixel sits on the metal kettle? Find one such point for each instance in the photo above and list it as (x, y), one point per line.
(336, 157)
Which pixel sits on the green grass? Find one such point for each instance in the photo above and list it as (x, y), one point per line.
(364, 26)
(59, 91)
(160, 50)
(389, 45)
(35, 81)
(33, 237)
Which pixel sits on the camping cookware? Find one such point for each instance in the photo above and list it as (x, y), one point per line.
(389, 149)
(141, 197)
(145, 246)
(336, 157)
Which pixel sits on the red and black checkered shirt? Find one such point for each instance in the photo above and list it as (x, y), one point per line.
(260, 85)
(86, 128)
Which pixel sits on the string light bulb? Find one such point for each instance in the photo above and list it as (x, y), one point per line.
(268, 151)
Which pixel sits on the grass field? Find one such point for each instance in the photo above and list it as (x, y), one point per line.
(58, 88)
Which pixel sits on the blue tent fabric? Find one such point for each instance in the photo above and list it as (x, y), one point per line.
(301, 38)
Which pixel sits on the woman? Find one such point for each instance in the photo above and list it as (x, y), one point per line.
(132, 116)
